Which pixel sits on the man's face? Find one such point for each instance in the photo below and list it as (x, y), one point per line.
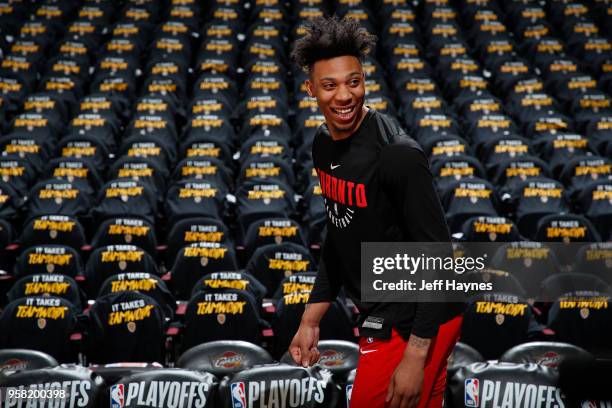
(338, 85)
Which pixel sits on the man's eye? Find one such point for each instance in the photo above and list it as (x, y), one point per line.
(355, 82)
(328, 86)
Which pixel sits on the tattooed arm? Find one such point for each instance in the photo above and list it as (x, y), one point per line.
(417, 347)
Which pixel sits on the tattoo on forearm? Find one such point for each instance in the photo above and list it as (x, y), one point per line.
(419, 342)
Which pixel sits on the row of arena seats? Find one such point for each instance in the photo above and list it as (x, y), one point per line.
(134, 316)
(240, 374)
(269, 262)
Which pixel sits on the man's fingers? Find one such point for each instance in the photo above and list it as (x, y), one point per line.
(296, 354)
(395, 401)
(305, 357)
(412, 402)
(390, 390)
(314, 356)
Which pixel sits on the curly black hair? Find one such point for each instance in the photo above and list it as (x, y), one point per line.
(330, 37)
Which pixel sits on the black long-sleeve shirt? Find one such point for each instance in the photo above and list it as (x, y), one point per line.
(377, 188)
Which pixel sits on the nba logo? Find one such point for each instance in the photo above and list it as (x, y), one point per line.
(238, 395)
(349, 391)
(116, 396)
(472, 388)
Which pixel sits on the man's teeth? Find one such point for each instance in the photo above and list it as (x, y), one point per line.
(344, 111)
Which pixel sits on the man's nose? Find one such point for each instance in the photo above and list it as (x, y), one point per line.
(343, 95)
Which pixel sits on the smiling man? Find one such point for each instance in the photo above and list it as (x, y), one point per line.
(377, 186)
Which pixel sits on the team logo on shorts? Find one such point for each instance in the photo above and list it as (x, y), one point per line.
(117, 399)
(349, 392)
(238, 395)
(472, 391)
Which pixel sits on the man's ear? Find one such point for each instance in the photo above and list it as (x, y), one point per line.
(309, 89)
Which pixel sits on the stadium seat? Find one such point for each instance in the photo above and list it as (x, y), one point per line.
(17, 173)
(477, 384)
(40, 323)
(194, 198)
(125, 326)
(595, 259)
(53, 229)
(535, 198)
(125, 197)
(594, 200)
(59, 197)
(11, 202)
(583, 169)
(49, 259)
(581, 320)
(545, 353)
(24, 359)
(503, 148)
(224, 357)
(505, 318)
(489, 229)
(567, 229)
(198, 388)
(529, 262)
(241, 388)
(570, 283)
(85, 386)
(197, 260)
(227, 314)
(271, 263)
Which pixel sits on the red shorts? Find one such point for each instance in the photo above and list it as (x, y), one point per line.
(378, 359)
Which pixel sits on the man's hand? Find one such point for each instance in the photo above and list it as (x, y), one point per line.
(406, 384)
(303, 347)
(407, 380)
